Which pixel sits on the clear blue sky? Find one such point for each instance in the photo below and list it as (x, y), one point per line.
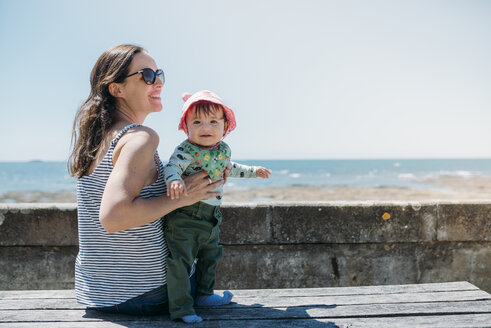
(307, 79)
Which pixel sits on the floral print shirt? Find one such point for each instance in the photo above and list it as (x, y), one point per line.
(189, 159)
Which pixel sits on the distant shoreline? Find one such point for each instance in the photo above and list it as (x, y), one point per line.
(444, 188)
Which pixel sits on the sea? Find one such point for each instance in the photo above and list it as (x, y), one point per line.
(411, 173)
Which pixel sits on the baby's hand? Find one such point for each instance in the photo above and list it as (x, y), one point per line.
(175, 188)
(262, 172)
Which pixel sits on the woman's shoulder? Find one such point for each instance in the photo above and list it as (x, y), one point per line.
(141, 134)
(137, 140)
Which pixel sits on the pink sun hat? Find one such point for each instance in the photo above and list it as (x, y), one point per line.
(205, 96)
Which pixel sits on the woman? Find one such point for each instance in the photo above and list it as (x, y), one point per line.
(120, 188)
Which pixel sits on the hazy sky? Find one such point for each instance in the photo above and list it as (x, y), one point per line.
(307, 79)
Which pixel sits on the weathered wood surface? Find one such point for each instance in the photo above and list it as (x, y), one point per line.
(456, 304)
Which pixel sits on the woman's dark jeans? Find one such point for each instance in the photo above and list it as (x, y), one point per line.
(153, 302)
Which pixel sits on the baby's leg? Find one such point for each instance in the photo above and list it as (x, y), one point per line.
(181, 247)
(208, 258)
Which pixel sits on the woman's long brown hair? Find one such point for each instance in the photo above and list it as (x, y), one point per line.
(96, 115)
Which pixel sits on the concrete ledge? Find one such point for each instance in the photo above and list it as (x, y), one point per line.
(465, 221)
(282, 245)
(37, 267)
(354, 223)
(38, 225)
(340, 265)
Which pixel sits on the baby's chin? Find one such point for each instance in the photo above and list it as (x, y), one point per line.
(207, 144)
(204, 143)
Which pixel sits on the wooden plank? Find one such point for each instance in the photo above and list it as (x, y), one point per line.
(304, 292)
(461, 321)
(36, 304)
(455, 304)
(275, 300)
(367, 310)
(37, 294)
(288, 292)
(250, 313)
(360, 290)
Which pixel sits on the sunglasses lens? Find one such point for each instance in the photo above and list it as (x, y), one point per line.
(160, 75)
(148, 75)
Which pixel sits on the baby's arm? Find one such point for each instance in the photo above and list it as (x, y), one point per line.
(173, 170)
(245, 171)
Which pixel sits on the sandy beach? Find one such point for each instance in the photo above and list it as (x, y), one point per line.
(442, 188)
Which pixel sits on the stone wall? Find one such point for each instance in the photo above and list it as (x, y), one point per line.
(283, 245)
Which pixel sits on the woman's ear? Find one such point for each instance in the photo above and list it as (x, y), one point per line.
(115, 89)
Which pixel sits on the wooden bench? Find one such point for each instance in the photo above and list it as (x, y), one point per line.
(453, 304)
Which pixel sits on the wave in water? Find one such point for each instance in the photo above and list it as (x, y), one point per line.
(53, 176)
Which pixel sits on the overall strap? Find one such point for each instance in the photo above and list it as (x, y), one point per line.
(123, 131)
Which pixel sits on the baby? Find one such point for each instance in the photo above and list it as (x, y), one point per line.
(192, 232)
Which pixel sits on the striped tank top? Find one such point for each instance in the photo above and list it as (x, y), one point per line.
(112, 268)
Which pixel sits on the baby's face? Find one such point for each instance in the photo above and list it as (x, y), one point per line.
(206, 130)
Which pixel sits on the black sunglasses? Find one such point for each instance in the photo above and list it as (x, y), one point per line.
(150, 75)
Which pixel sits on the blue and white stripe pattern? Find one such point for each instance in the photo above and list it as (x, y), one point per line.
(112, 268)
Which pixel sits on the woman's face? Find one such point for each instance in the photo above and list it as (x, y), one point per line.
(137, 96)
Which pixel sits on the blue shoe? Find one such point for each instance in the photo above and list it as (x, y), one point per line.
(192, 318)
(214, 300)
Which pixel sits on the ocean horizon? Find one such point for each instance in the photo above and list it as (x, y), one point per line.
(48, 176)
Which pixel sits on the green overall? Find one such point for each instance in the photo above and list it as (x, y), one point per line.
(192, 232)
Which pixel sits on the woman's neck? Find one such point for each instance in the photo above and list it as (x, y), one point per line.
(125, 114)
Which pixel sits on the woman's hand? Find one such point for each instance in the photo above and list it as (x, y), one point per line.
(199, 187)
